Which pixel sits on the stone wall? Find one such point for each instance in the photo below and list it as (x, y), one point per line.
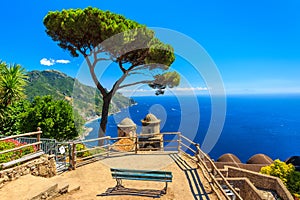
(44, 166)
(247, 190)
(261, 181)
(251, 167)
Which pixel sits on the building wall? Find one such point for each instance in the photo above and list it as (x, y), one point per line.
(247, 190)
(251, 167)
(151, 128)
(261, 181)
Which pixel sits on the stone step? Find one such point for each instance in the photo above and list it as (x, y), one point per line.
(50, 192)
(35, 188)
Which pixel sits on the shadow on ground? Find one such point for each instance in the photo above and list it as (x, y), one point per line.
(193, 178)
(131, 191)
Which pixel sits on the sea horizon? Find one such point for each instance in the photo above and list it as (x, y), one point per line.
(268, 124)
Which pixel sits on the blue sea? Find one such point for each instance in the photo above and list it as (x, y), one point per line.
(268, 124)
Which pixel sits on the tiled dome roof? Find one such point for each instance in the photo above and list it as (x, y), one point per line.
(260, 159)
(126, 123)
(229, 158)
(150, 118)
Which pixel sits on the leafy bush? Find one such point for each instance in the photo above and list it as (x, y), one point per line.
(55, 117)
(287, 173)
(294, 183)
(10, 144)
(11, 118)
(80, 147)
(279, 169)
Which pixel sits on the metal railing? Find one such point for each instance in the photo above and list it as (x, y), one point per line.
(102, 150)
(172, 140)
(169, 141)
(20, 147)
(210, 174)
(111, 147)
(37, 143)
(47, 145)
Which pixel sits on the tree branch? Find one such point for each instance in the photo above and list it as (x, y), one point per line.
(136, 83)
(100, 59)
(82, 52)
(140, 68)
(98, 49)
(94, 77)
(118, 83)
(133, 73)
(121, 67)
(132, 67)
(95, 59)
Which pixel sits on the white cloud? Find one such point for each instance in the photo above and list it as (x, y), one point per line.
(62, 61)
(50, 62)
(175, 90)
(172, 89)
(47, 62)
(189, 89)
(134, 90)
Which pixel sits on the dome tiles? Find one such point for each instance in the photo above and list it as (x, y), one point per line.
(150, 118)
(260, 159)
(229, 158)
(126, 123)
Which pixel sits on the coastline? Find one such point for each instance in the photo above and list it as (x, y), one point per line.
(85, 133)
(94, 118)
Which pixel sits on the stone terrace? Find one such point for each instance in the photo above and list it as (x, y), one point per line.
(95, 178)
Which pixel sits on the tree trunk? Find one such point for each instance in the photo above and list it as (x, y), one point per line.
(104, 116)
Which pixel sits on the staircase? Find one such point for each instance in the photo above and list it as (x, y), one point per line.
(35, 188)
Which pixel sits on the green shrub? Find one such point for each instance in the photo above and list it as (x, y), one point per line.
(279, 169)
(10, 144)
(293, 184)
(80, 147)
(287, 173)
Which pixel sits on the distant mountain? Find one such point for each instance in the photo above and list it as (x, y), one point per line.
(87, 99)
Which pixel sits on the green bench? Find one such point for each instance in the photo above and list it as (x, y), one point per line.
(141, 175)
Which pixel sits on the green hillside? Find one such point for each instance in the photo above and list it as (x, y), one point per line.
(85, 99)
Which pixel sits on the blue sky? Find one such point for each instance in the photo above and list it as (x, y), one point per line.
(255, 44)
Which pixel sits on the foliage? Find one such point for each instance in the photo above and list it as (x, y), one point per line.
(48, 82)
(10, 144)
(55, 117)
(287, 173)
(19, 115)
(81, 31)
(81, 147)
(279, 169)
(90, 152)
(103, 35)
(60, 86)
(294, 183)
(170, 79)
(12, 82)
(10, 123)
